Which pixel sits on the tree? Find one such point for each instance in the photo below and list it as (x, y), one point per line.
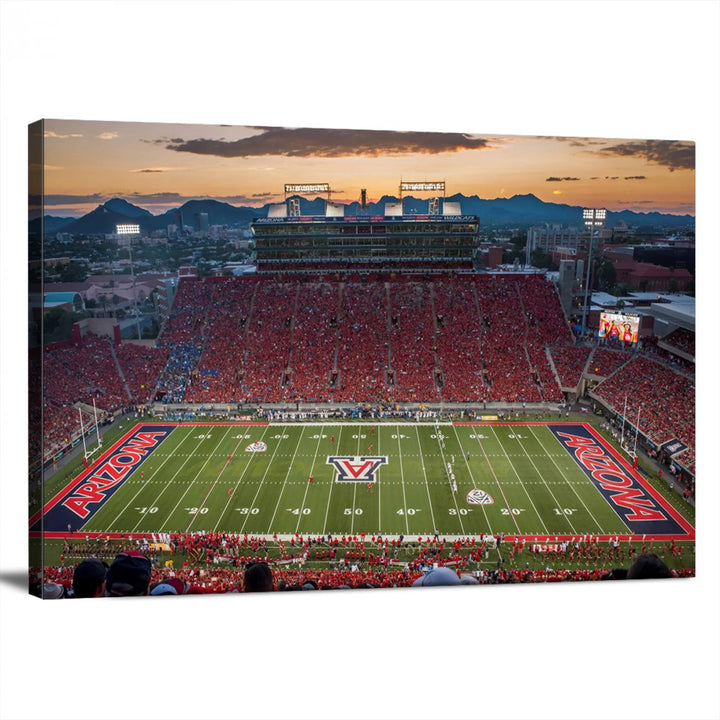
(606, 275)
(73, 272)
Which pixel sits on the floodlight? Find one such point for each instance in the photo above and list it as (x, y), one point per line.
(422, 186)
(307, 187)
(127, 229)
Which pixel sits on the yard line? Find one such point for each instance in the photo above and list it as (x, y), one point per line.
(212, 487)
(497, 482)
(287, 475)
(542, 477)
(472, 477)
(262, 480)
(518, 477)
(402, 479)
(427, 487)
(191, 483)
(237, 484)
(571, 484)
(143, 486)
(440, 439)
(332, 483)
(307, 484)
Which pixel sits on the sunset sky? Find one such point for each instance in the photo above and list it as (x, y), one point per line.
(159, 166)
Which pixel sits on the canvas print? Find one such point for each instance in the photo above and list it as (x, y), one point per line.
(278, 358)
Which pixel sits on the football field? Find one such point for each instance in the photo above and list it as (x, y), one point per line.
(530, 480)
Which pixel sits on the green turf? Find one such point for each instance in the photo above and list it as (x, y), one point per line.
(536, 486)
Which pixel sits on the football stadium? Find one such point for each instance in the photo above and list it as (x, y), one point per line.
(366, 409)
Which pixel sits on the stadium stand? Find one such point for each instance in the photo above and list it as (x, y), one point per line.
(570, 362)
(682, 339)
(141, 366)
(665, 398)
(605, 362)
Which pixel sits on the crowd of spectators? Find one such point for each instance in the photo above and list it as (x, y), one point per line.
(664, 398)
(182, 338)
(314, 342)
(546, 327)
(570, 362)
(503, 350)
(458, 341)
(219, 372)
(363, 344)
(141, 366)
(682, 339)
(605, 362)
(133, 573)
(77, 373)
(412, 342)
(268, 342)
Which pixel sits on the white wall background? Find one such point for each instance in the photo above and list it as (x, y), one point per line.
(580, 651)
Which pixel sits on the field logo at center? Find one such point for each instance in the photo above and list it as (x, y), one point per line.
(257, 446)
(479, 497)
(354, 468)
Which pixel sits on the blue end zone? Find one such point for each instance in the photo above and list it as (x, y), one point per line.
(637, 508)
(85, 498)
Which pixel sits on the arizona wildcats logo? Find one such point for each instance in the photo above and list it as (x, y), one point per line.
(479, 497)
(257, 446)
(353, 468)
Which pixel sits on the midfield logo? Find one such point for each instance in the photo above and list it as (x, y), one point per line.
(354, 468)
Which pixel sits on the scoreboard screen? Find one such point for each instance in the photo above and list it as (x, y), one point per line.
(619, 327)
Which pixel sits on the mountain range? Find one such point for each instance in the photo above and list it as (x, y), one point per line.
(515, 211)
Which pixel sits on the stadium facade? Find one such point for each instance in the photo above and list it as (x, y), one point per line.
(437, 242)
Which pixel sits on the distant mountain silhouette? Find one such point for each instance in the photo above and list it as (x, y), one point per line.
(519, 210)
(125, 208)
(51, 224)
(219, 213)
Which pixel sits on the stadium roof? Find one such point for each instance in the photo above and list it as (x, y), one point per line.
(604, 299)
(677, 313)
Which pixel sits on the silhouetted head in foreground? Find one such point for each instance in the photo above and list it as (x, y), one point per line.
(646, 566)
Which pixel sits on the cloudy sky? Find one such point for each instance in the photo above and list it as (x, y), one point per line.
(158, 166)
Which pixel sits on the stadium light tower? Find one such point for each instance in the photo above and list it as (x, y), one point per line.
(131, 231)
(594, 218)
